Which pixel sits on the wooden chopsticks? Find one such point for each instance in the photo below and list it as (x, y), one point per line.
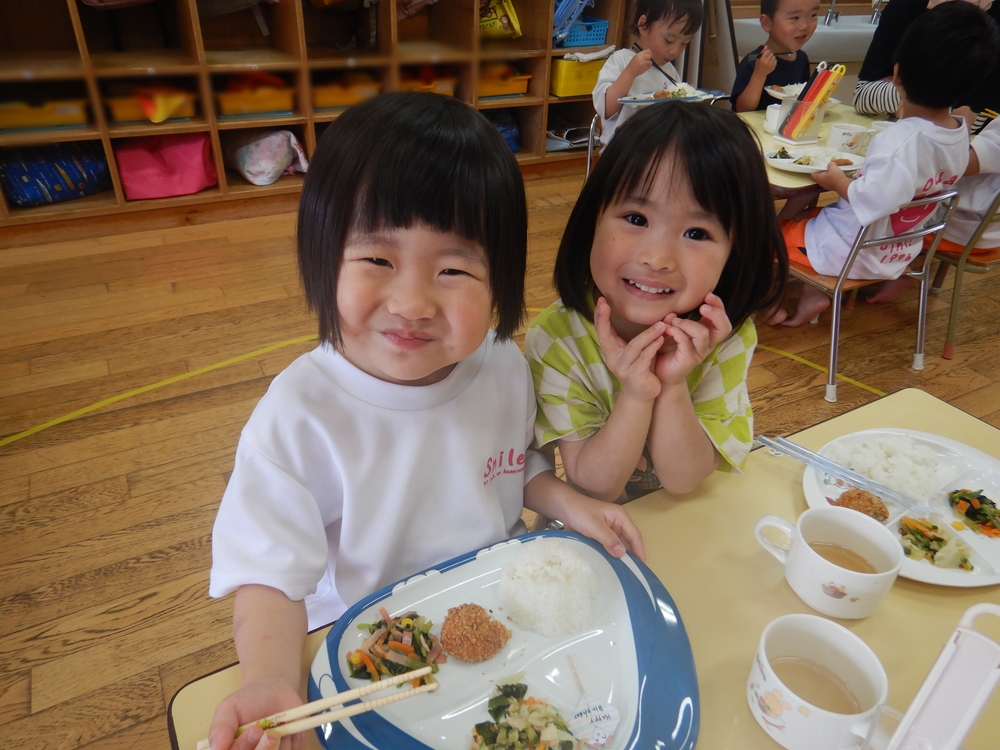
(312, 715)
(637, 48)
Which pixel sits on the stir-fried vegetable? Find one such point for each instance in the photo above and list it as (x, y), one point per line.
(924, 539)
(521, 723)
(977, 510)
(396, 645)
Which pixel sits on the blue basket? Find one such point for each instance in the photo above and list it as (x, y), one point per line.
(587, 32)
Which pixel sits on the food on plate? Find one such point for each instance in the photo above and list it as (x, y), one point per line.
(928, 539)
(841, 162)
(976, 510)
(863, 501)
(521, 723)
(661, 94)
(781, 153)
(776, 87)
(396, 645)
(893, 460)
(805, 161)
(549, 588)
(469, 633)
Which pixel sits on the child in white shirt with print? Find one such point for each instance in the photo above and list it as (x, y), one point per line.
(665, 28)
(942, 57)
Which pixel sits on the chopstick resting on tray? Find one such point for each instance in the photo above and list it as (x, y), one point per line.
(637, 48)
(838, 471)
(315, 714)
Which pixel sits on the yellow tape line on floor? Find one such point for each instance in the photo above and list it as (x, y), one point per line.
(815, 366)
(146, 388)
(301, 340)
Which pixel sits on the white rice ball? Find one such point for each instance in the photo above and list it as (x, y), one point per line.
(893, 460)
(549, 588)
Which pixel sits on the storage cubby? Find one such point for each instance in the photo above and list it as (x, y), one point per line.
(238, 184)
(271, 96)
(152, 39)
(499, 82)
(264, 36)
(53, 50)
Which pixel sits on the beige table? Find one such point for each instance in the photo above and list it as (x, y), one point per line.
(790, 184)
(728, 588)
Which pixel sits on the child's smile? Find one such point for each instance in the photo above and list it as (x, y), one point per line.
(657, 253)
(412, 303)
(793, 24)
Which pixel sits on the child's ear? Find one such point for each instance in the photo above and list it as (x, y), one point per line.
(765, 23)
(641, 23)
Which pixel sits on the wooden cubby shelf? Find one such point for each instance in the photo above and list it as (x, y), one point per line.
(71, 49)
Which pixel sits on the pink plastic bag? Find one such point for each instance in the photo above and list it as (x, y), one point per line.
(160, 166)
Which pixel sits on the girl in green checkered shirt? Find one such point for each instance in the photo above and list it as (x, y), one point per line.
(640, 368)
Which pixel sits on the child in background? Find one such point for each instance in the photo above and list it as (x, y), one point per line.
(640, 368)
(780, 61)
(942, 57)
(403, 439)
(665, 28)
(978, 188)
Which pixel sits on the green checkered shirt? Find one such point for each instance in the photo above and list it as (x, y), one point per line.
(576, 391)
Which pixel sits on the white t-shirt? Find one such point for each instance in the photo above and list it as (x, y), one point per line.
(651, 80)
(344, 483)
(910, 159)
(978, 192)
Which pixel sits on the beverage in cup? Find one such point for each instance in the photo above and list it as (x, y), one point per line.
(840, 562)
(814, 685)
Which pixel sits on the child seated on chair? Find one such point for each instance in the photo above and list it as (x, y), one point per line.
(780, 61)
(978, 188)
(941, 58)
(664, 29)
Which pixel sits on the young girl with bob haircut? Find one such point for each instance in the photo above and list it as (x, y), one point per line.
(640, 368)
(403, 439)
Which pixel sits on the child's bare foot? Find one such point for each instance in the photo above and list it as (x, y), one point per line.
(811, 304)
(777, 317)
(889, 290)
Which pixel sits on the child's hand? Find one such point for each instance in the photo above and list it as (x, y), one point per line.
(765, 63)
(631, 362)
(606, 523)
(639, 64)
(695, 340)
(834, 178)
(254, 701)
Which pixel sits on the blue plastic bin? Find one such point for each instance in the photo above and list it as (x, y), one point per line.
(587, 32)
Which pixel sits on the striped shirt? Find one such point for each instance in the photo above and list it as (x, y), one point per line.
(576, 390)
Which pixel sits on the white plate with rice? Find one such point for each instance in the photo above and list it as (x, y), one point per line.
(657, 696)
(926, 468)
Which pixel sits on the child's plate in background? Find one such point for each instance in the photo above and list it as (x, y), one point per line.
(646, 99)
(818, 159)
(635, 655)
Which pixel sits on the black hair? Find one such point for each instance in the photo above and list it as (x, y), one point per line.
(945, 54)
(672, 10)
(413, 158)
(769, 7)
(722, 161)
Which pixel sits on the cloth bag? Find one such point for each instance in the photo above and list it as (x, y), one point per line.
(39, 175)
(160, 166)
(262, 156)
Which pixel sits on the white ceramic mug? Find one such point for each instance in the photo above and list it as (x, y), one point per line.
(771, 118)
(794, 722)
(847, 137)
(823, 585)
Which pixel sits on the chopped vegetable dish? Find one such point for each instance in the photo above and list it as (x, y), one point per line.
(977, 510)
(521, 723)
(396, 645)
(923, 538)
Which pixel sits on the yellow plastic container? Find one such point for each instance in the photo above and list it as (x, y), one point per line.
(571, 78)
(128, 108)
(48, 115)
(344, 94)
(445, 86)
(263, 99)
(504, 86)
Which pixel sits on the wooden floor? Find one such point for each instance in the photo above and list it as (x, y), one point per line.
(106, 518)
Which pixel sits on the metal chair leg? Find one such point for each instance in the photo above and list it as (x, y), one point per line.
(831, 382)
(939, 276)
(956, 298)
(925, 283)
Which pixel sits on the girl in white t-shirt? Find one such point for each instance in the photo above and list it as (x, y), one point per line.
(664, 29)
(403, 439)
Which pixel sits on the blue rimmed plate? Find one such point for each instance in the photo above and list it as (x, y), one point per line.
(635, 656)
(644, 100)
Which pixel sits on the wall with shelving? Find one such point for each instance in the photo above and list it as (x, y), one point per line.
(65, 49)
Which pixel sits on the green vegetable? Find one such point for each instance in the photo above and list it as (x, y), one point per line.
(521, 723)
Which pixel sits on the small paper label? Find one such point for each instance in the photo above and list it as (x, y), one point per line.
(594, 722)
